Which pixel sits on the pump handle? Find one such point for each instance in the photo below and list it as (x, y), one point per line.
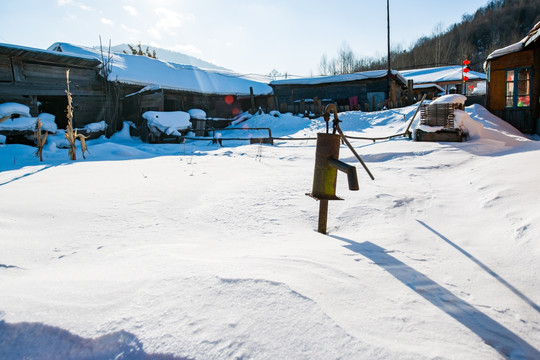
(332, 107)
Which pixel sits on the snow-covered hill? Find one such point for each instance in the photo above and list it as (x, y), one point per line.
(206, 252)
(171, 56)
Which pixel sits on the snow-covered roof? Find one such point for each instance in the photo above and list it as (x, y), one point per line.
(440, 74)
(47, 55)
(427, 86)
(531, 37)
(144, 71)
(365, 75)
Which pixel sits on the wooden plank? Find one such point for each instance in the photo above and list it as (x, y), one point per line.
(29, 89)
(6, 74)
(58, 72)
(513, 60)
(497, 90)
(16, 65)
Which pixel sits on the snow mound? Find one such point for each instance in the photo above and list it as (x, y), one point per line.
(96, 127)
(285, 125)
(168, 122)
(9, 109)
(29, 123)
(450, 99)
(480, 124)
(197, 114)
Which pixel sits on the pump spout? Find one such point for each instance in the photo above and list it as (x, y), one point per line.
(350, 170)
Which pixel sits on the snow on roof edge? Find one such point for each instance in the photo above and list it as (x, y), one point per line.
(373, 74)
(47, 51)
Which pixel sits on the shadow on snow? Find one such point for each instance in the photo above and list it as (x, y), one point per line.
(491, 332)
(38, 341)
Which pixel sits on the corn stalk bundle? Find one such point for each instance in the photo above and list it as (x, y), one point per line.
(41, 139)
(70, 134)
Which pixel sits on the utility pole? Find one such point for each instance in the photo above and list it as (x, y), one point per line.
(388, 40)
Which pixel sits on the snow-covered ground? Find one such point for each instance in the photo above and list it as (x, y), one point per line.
(205, 252)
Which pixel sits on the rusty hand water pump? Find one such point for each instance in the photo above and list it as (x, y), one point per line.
(327, 164)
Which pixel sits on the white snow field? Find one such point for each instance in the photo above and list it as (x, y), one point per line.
(195, 251)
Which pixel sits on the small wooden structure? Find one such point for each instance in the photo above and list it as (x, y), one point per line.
(37, 78)
(513, 86)
(431, 90)
(438, 115)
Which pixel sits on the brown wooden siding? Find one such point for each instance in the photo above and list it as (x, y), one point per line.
(28, 81)
(513, 60)
(5, 69)
(524, 119)
(497, 88)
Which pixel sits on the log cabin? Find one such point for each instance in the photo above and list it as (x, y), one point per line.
(37, 78)
(513, 85)
(147, 84)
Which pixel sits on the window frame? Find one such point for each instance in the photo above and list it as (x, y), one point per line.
(515, 87)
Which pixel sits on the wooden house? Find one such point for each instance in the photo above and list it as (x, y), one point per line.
(146, 84)
(513, 87)
(369, 90)
(37, 78)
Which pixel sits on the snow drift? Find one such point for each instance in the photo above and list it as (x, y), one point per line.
(200, 251)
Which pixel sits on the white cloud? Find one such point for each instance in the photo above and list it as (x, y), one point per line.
(168, 21)
(86, 7)
(62, 2)
(128, 29)
(131, 10)
(107, 21)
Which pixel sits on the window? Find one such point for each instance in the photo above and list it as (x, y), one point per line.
(518, 88)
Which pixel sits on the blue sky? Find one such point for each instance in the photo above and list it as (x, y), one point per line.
(246, 36)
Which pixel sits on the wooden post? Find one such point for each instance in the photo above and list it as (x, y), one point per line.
(252, 99)
(410, 91)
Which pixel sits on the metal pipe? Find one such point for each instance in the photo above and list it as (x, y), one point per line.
(350, 170)
(323, 216)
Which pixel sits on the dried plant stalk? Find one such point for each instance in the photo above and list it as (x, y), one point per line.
(84, 148)
(40, 139)
(70, 135)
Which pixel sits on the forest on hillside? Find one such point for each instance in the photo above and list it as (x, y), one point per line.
(498, 24)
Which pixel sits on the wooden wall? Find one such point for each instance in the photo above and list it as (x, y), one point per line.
(526, 119)
(338, 92)
(215, 106)
(31, 81)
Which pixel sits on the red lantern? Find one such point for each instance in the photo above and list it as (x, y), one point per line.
(466, 69)
(465, 78)
(466, 62)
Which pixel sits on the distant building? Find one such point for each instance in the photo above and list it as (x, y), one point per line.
(513, 87)
(366, 91)
(448, 78)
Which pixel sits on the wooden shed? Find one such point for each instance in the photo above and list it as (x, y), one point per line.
(513, 86)
(37, 78)
(366, 91)
(431, 90)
